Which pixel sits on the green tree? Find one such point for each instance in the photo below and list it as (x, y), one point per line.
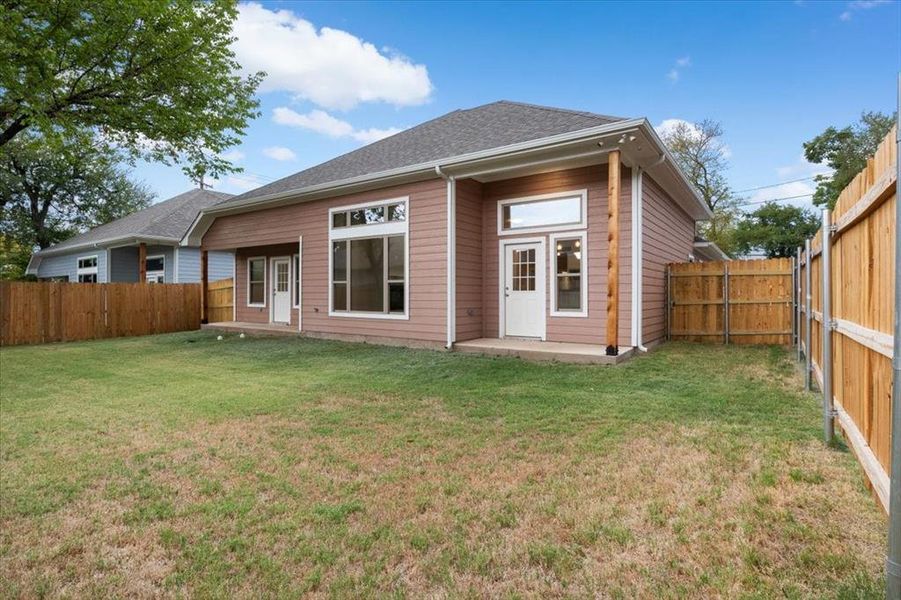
(156, 78)
(846, 151)
(49, 192)
(775, 230)
(700, 152)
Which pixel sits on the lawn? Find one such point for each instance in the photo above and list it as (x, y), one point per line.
(181, 465)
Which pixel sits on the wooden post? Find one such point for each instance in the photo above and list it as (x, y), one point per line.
(613, 180)
(204, 286)
(142, 263)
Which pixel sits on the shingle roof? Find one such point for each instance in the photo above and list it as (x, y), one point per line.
(459, 132)
(167, 219)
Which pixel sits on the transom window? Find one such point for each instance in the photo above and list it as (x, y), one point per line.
(87, 269)
(543, 213)
(368, 260)
(570, 293)
(370, 215)
(256, 281)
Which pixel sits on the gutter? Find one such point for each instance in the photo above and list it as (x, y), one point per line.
(451, 256)
(637, 256)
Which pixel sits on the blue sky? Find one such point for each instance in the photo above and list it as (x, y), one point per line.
(773, 73)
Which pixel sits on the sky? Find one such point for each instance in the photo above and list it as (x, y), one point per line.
(774, 74)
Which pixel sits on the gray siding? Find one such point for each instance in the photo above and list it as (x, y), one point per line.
(124, 265)
(66, 265)
(219, 267)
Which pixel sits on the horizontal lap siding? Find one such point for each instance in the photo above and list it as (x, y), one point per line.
(469, 260)
(275, 232)
(668, 237)
(591, 329)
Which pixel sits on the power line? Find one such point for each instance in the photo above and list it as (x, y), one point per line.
(763, 187)
(775, 200)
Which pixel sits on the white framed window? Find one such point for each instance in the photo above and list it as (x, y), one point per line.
(569, 274)
(369, 260)
(155, 268)
(548, 212)
(256, 281)
(295, 280)
(87, 269)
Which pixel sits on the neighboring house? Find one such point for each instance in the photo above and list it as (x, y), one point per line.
(483, 223)
(707, 251)
(112, 252)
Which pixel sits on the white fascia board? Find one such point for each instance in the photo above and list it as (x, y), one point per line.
(124, 240)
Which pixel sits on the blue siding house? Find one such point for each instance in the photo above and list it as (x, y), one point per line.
(112, 252)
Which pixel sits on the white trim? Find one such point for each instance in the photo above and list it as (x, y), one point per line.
(502, 272)
(155, 271)
(265, 278)
(375, 230)
(581, 235)
(583, 210)
(234, 285)
(295, 283)
(95, 270)
(637, 257)
(273, 280)
(299, 277)
(175, 264)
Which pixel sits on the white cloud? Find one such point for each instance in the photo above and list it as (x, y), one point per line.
(324, 123)
(799, 191)
(234, 155)
(675, 73)
(329, 67)
(802, 168)
(859, 5)
(279, 153)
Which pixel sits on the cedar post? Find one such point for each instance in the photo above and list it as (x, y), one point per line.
(204, 285)
(613, 181)
(142, 263)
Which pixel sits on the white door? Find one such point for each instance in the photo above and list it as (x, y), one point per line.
(524, 292)
(281, 290)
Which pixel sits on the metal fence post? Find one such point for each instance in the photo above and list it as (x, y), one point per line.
(725, 302)
(808, 317)
(828, 424)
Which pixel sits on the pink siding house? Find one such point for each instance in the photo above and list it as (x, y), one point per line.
(507, 221)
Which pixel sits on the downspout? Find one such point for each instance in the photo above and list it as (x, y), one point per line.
(637, 258)
(451, 255)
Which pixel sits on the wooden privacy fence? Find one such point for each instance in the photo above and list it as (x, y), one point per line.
(862, 278)
(220, 297)
(737, 301)
(35, 313)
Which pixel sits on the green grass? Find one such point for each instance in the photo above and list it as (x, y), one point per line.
(180, 464)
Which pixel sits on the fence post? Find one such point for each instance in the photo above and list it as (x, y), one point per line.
(828, 424)
(808, 318)
(725, 302)
(669, 320)
(798, 301)
(893, 557)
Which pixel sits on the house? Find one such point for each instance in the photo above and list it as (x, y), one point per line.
(142, 246)
(507, 220)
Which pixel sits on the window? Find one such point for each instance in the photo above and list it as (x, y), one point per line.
(369, 215)
(87, 269)
(256, 281)
(570, 294)
(296, 265)
(368, 257)
(543, 213)
(155, 269)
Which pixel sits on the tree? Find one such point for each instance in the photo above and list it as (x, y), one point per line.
(776, 230)
(155, 78)
(846, 151)
(49, 193)
(700, 152)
